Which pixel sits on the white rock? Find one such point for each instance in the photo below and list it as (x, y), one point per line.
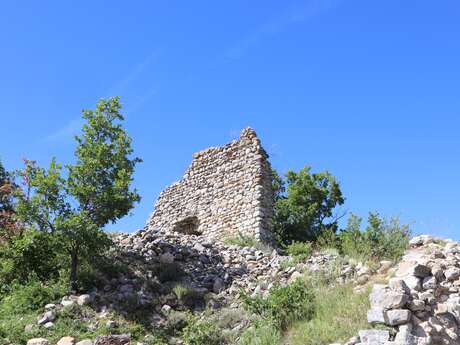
(397, 317)
(48, 325)
(376, 316)
(384, 298)
(429, 283)
(67, 302)
(38, 341)
(452, 273)
(166, 309)
(66, 341)
(50, 306)
(372, 336)
(84, 299)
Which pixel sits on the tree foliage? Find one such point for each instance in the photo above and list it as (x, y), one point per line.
(74, 207)
(305, 204)
(102, 175)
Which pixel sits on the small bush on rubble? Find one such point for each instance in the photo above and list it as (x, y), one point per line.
(283, 305)
(300, 251)
(201, 332)
(381, 239)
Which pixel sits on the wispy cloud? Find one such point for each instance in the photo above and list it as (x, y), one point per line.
(66, 132)
(140, 100)
(124, 84)
(289, 17)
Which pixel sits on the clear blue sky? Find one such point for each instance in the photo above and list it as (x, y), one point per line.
(368, 90)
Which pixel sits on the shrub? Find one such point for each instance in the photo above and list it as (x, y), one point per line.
(241, 240)
(299, 250)
(155, 339)
(201, 332)
(187, 295)
(382, 238)
(284, 305)
(328, 239)
(30, 297)
(30, 254)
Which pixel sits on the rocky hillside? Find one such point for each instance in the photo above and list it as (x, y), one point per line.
(171, 277)
(420, 304)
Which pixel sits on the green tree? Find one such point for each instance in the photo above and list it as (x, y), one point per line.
(95, 191)
(101, 178)
(305, 207)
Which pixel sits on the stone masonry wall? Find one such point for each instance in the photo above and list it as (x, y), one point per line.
(225, 191)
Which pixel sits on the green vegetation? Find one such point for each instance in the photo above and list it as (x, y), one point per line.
(52, 242)
(261, 333)
(241, 240)
(24, 303)
(381, 239)
(187, 295)
(304, 211)
(51, 227)
(73, 207)
(300, 251)
(201, 332)
(311, 311)
(304, 205)
(339, 314)
(284, 304)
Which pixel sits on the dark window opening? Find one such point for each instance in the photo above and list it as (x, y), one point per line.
(188, 226)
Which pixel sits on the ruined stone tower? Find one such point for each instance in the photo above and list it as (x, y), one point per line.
(226, 190)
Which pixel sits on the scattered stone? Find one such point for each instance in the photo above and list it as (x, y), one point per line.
(38, 341)
(372, 336)
(48, 325)
(67, 302)
(397, 317)
(452, 273)
(84, 299)
(110, 324)
(47, 317)
(66, 341)
(429, 283)
(122, 339)
(429, 276)
(166, 309)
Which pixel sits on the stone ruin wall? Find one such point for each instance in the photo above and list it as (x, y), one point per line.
(225, 191)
